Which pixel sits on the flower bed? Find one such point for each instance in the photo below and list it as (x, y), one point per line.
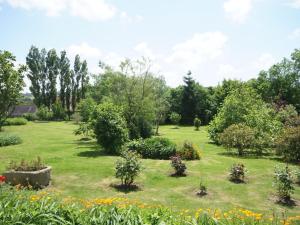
(26, 207)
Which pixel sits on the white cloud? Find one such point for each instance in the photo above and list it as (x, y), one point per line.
(91, 10)
(238, 10)
(130, 19)
(265, 61)
(295, 34)
(144, 50)
(227, 71)
(200, 48)
(295, 4)
(84, 50)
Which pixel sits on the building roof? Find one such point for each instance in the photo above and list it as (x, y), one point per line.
(20, 110)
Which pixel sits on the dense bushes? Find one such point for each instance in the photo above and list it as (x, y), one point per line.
(109, 127)
(44, 113)
(9, 139)
(15, 121)
(30, 116)
(288, 144)
(238, 136)
(237, 173)
(153, 148)
(188, 151)
(128, 168)
(283, 183)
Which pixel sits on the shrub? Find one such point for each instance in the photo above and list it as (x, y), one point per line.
(288, 144)
(15, 121)
(84, 129)
(9, 139)
(178, 166)
(189, 151)
(153, 148)
(109, 127)
(86, 108)
(44, 113)
(237, 173)
(197, 123)
(128, 167)
(287, 114)
(33, 165)
(283, 183)
(238, 136)
(202, 189)
(30, 116)
(58, 111)
(297, 176)
(293, 122)
(175, 118)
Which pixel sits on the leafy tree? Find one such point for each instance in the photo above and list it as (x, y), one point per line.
(238, 136)
(175, 118)
(11, 84)
(245, 106)
(86, 108)
(58, 111)
(64, 67)
(52, 73)
(109, 126)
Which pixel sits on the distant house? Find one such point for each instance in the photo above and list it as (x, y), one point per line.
(20, 110)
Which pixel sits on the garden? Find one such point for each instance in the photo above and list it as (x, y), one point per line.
(126, 148)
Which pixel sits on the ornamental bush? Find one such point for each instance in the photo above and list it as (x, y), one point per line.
(237, 173)
(238, 136)
(288, 144)
(109, 127)
(178, 166)
(189, 151)
(197, 123)
(7, 139)
(283, 182)
(153, 148)
(17, 121)
(175, 118)
(30, 116)
(128, 167)
(86, 108)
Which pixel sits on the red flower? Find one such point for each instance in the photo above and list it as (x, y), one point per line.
(2, 179)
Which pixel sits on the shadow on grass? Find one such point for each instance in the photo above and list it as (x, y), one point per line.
(246, 155)
(290, 203)
(90, 149)
(126, 189)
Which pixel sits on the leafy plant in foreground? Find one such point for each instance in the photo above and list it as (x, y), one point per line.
(283, 182)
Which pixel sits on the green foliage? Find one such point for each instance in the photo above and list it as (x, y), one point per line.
(175, 118)
(9, 139)
(287, 114)
(58, 111)
(128, 167)
(153, 148)
(297, 176)
(109, 126)
(197, 123)
(283, 182)
(188, 151)
(245, 106)
(84, 129)
(86, 108)
(288, 144)
(178, 166)
(202, 189)
(30, 116)
(17, 121)
(44, 113)
(237, 173)
(238, 136)
(11, 84)
(33, 165)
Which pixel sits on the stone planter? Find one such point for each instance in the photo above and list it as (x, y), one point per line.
(37, 179)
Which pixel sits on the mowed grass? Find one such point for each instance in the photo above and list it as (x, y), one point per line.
(81, 170)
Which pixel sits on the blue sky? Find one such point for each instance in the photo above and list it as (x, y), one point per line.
(215, 39)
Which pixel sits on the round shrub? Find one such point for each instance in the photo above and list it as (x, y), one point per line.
(188, 151)
(197, 123)
(30, 116)
(9, 139)
(153, 148)
(238, 136)
(128, 167)
(178, 166)
(237, 173)
(283, 183)
(175, 118)
(109, 127)
(288, 144)
(17, 121)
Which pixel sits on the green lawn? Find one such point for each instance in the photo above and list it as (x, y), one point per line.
(80, 170)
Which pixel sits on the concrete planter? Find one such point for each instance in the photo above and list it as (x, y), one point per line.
(37, 179)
